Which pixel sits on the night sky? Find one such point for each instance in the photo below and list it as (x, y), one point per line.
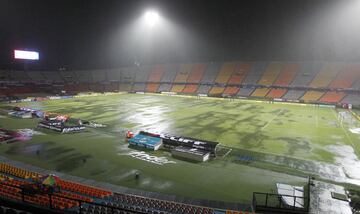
(84, 34)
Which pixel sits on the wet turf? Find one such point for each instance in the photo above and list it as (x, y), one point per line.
(267, 131)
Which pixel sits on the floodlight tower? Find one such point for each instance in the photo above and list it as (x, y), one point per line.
(151, 18)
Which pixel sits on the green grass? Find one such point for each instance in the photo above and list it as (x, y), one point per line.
(248, 127)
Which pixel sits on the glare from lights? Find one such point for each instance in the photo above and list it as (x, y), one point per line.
(151, 18)
(29, 55)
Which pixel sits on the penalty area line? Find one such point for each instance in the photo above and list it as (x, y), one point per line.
(273, 118)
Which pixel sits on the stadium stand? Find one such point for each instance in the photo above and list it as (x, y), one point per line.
(311, 96)
(356, 85)
(68, 76)
(332, 97)
(125, 86)
(348, 75)
(164, 87)
(156, 73)
(138, 87)
(127, 75)
(276, 93)
(271, 73)
(240, 72)
(285, 77)
(183, 73)
(231, 90)
(4, 75)
(113, 75)
(255, 73)
(170, 72)
(84, 76)
(326, 75)
(142, 73)
(36, 76)
(52, 76)
(308, 81)
(197, 73)
(99, 75)
(245, 92)
(111, 87)
(293, 94)
(152, 87)
(306, 74)
(225, 72)
(97, 87)
(74, 197)
(211, 72)
(177, 88)
(260, 92)
(155, 76)
(353, 99)
(216, 90)
(190, 88)
(203, 89)
(287, 74)
(19, 76)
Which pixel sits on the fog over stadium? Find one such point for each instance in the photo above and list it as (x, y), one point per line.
(90, 34)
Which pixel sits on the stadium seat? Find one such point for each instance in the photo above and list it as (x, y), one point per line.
(254, 74)
(211, 73)
(197, 73)
(245, 92)
(169, 74)
(231, 90)
(353, 99)
(347, 76)
(326, 75)
(177, 88)
(216, 90)
(225, 72)
(165, 87)
(183, 73)
(306, 73)
(332, 97)
(152, 87)
(271, 73)
(260, 92)
(311, 96)
(138, 87)
(156, 73)
(287, 74)
(276, 93)
(190, 88)
(124, 87)
(203, 89)
(239, 74)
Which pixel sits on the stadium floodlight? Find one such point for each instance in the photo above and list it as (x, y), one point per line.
(28, 55)
(151, 18)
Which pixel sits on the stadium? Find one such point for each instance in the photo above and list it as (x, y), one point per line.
(198, 107)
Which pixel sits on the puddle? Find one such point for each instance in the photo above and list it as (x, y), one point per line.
(347, 159)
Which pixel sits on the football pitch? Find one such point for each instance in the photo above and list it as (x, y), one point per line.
(285, 143)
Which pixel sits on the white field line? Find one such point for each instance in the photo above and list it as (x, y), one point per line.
(273, 118)
(227, 153)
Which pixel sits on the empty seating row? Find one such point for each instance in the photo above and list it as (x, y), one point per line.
(315, 74)
(11, 170)
(183, 73)
(83, 189)
(271, 73)
(225, 72)
(136, 202)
